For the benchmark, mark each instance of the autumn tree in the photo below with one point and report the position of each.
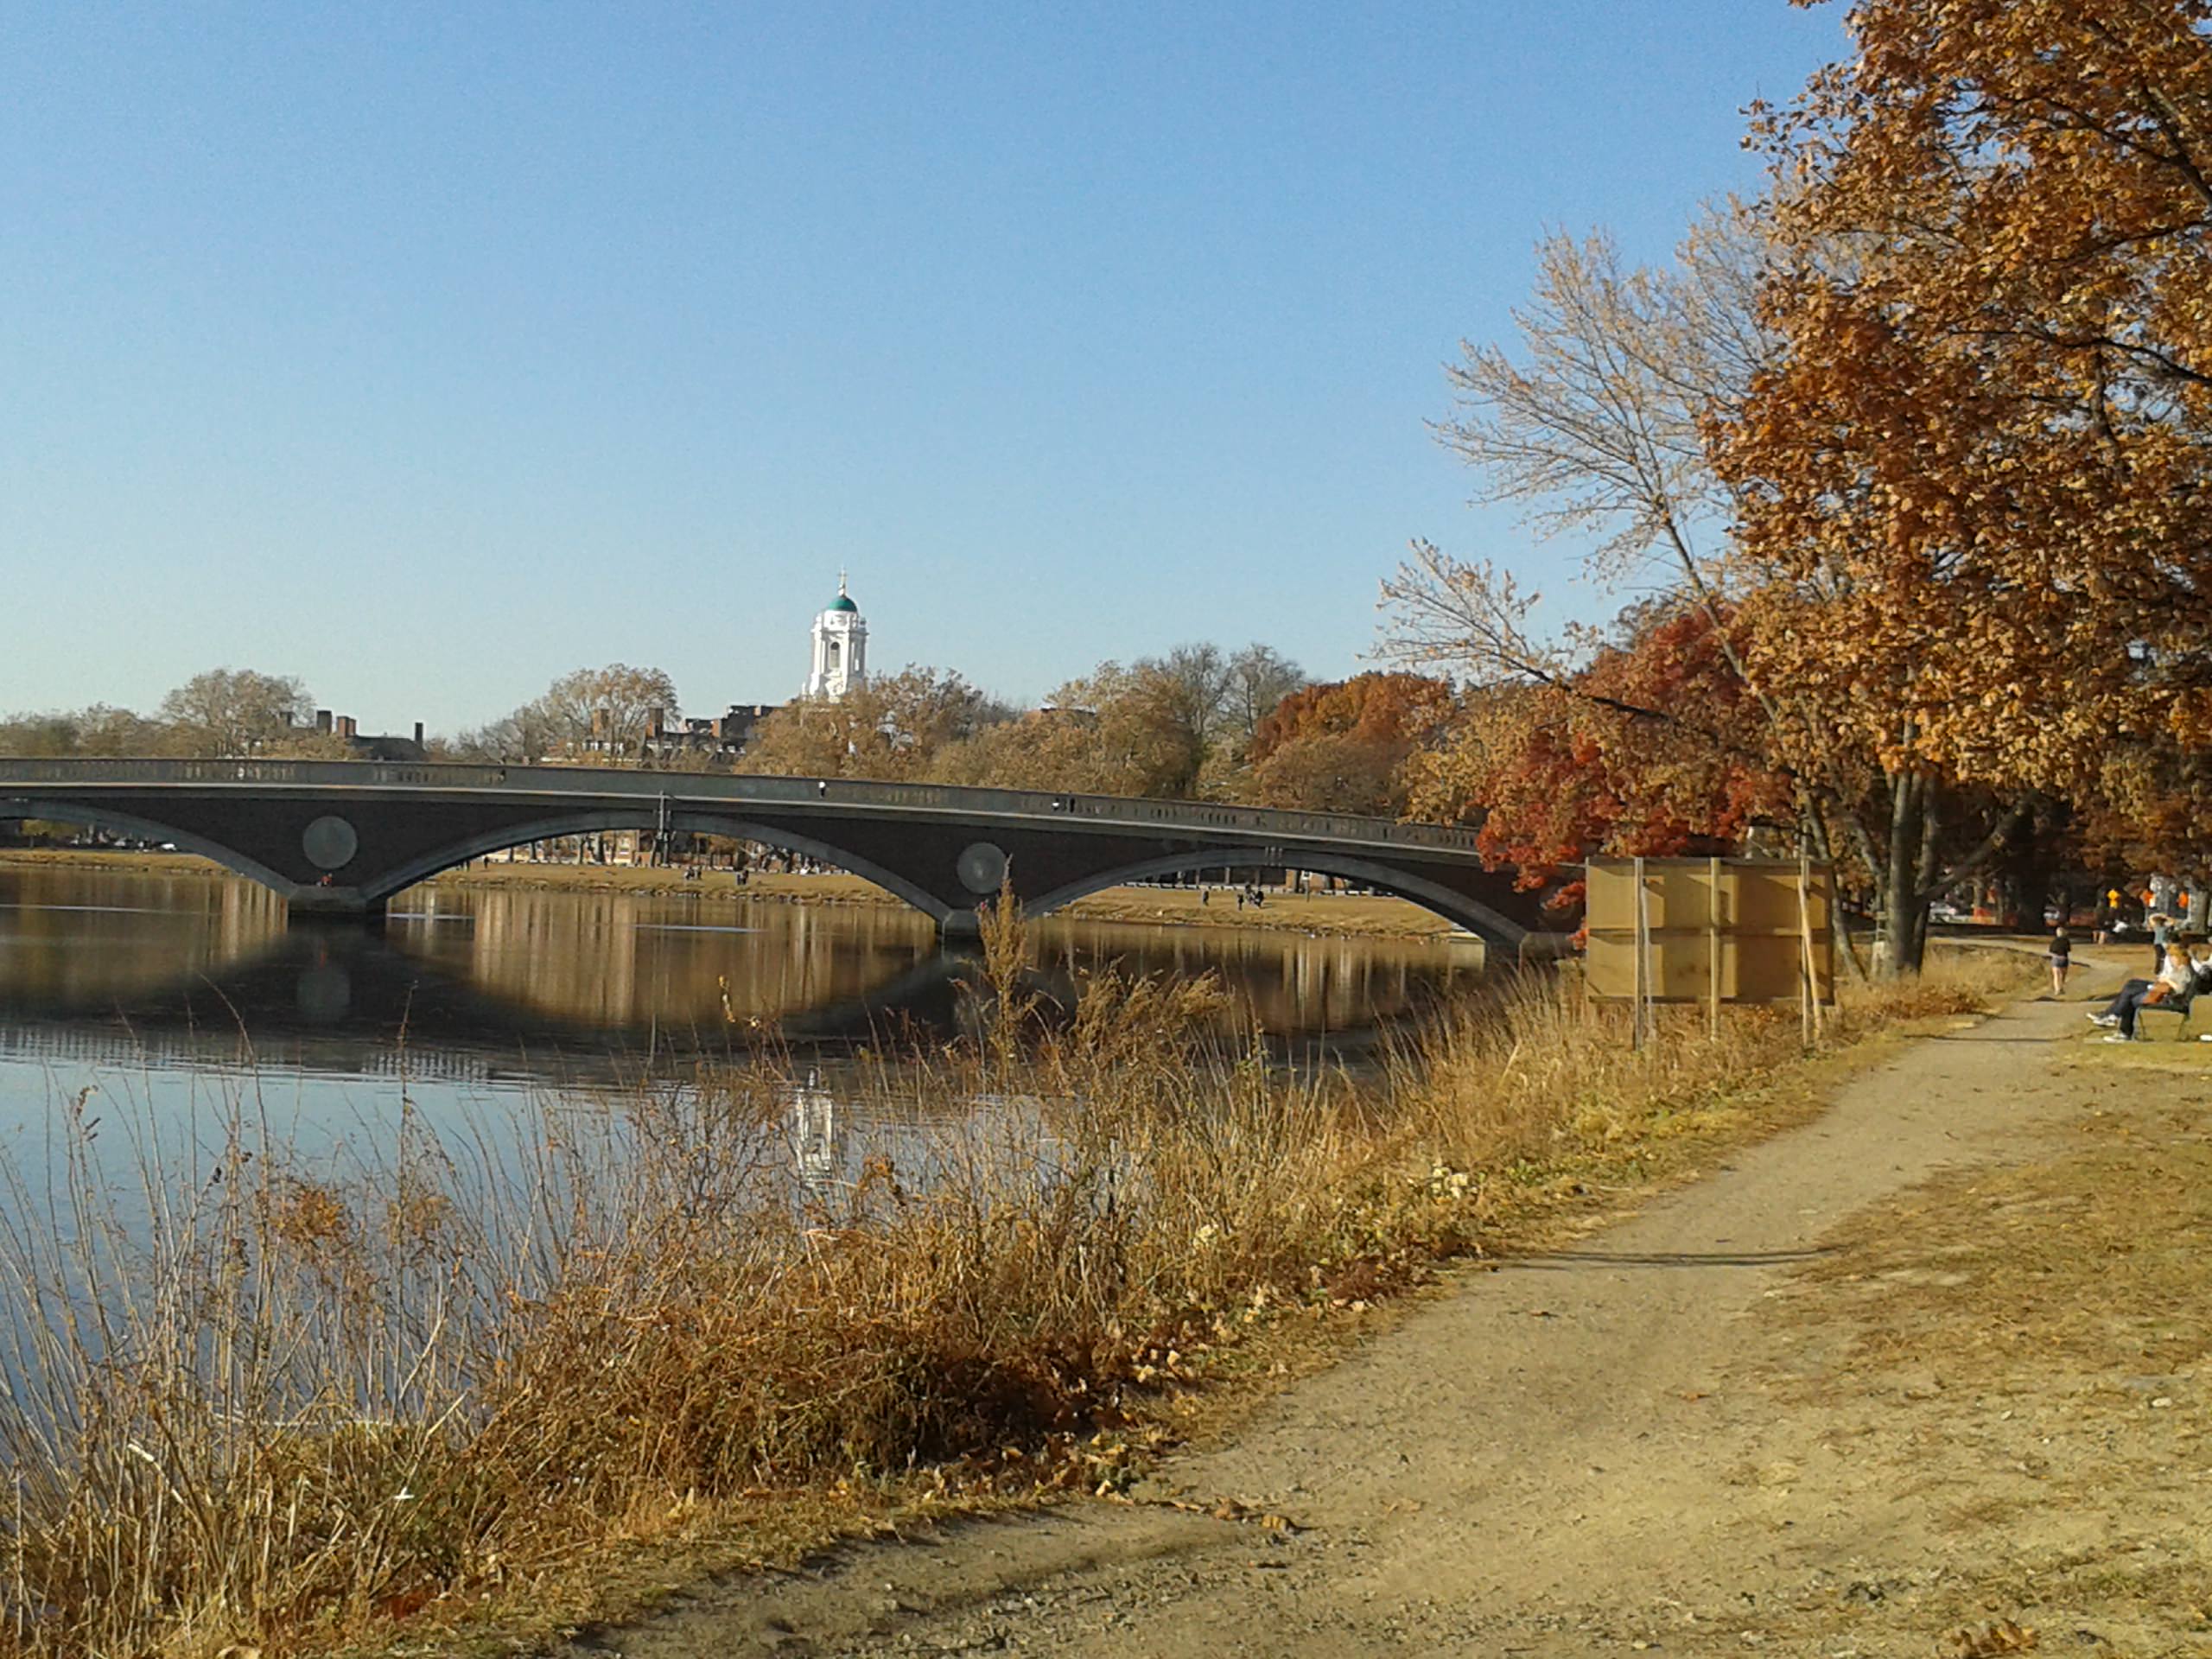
(100, 730)
(1150, 729)
(1058, 746)
(1595, 422)
(523, 737)
(1613, 418)
(107, 731)
(608, 710)
(227, 711)
(213, 724)
(1343, 747)
(1651, 747)
(1139, 730)
(1972, 479)
(1949, 461)
(893, 727)
(1259, 679)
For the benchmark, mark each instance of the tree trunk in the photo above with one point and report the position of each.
(1903, 905)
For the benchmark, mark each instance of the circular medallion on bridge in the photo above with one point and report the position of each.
(982, 868)
(329, 842)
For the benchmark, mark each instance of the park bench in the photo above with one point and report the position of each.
(2178, 1003)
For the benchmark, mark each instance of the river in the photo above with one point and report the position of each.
(167, 994)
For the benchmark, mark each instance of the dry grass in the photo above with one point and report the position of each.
(298, 1407)
(110, 860)
(2033, 1340)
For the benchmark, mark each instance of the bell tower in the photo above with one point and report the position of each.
(840, 648)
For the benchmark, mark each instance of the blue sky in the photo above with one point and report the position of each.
(429, 352)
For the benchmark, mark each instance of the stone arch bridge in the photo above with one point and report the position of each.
(339, 838)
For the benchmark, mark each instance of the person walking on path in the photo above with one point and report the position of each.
(2061, 955)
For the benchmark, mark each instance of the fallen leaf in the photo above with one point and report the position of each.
(2001, 1637)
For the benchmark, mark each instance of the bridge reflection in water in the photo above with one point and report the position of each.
(169, 994)
(541, 982)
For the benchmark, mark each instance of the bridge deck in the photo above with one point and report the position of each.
(569, 785)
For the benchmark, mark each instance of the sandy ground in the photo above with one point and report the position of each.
(1834, 1399)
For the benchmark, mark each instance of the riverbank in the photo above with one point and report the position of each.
(1333, 915)
(688, 1364)
(1927, 1375)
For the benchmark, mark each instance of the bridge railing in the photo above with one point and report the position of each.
(322, 774)
(1266, 825)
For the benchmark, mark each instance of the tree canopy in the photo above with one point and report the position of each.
(1908, 457)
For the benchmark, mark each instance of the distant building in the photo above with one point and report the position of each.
(727, 733)
(369, 746)
(840, 648)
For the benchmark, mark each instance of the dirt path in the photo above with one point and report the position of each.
(1613, 1446)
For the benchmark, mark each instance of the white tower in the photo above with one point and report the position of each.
(840, 648)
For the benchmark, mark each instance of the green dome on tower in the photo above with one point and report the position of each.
(843, 602)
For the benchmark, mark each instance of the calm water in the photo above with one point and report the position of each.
(169, 996)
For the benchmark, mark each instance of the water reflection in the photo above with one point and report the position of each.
(610, 963)
(502, 1022)
(79, 938)
(178, 970)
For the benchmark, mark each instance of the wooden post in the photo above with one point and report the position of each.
(1811, 1001)
(1712, 950)
(1643, 959)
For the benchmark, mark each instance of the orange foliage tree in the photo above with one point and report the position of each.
(1972, 480)
(1651, 747)
(1342, 747)
(1927, 429)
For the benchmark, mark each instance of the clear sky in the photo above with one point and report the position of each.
(428, 352)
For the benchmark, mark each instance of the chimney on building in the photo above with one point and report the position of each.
(418, 734)
(322, 722)
(345, 727)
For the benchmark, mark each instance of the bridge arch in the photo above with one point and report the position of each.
(460, 852)
(1496, 931)
(695, 823)
(101, 817)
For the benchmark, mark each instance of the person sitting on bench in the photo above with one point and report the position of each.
(2176, 979)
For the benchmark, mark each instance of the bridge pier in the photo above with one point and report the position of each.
(334, 905)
